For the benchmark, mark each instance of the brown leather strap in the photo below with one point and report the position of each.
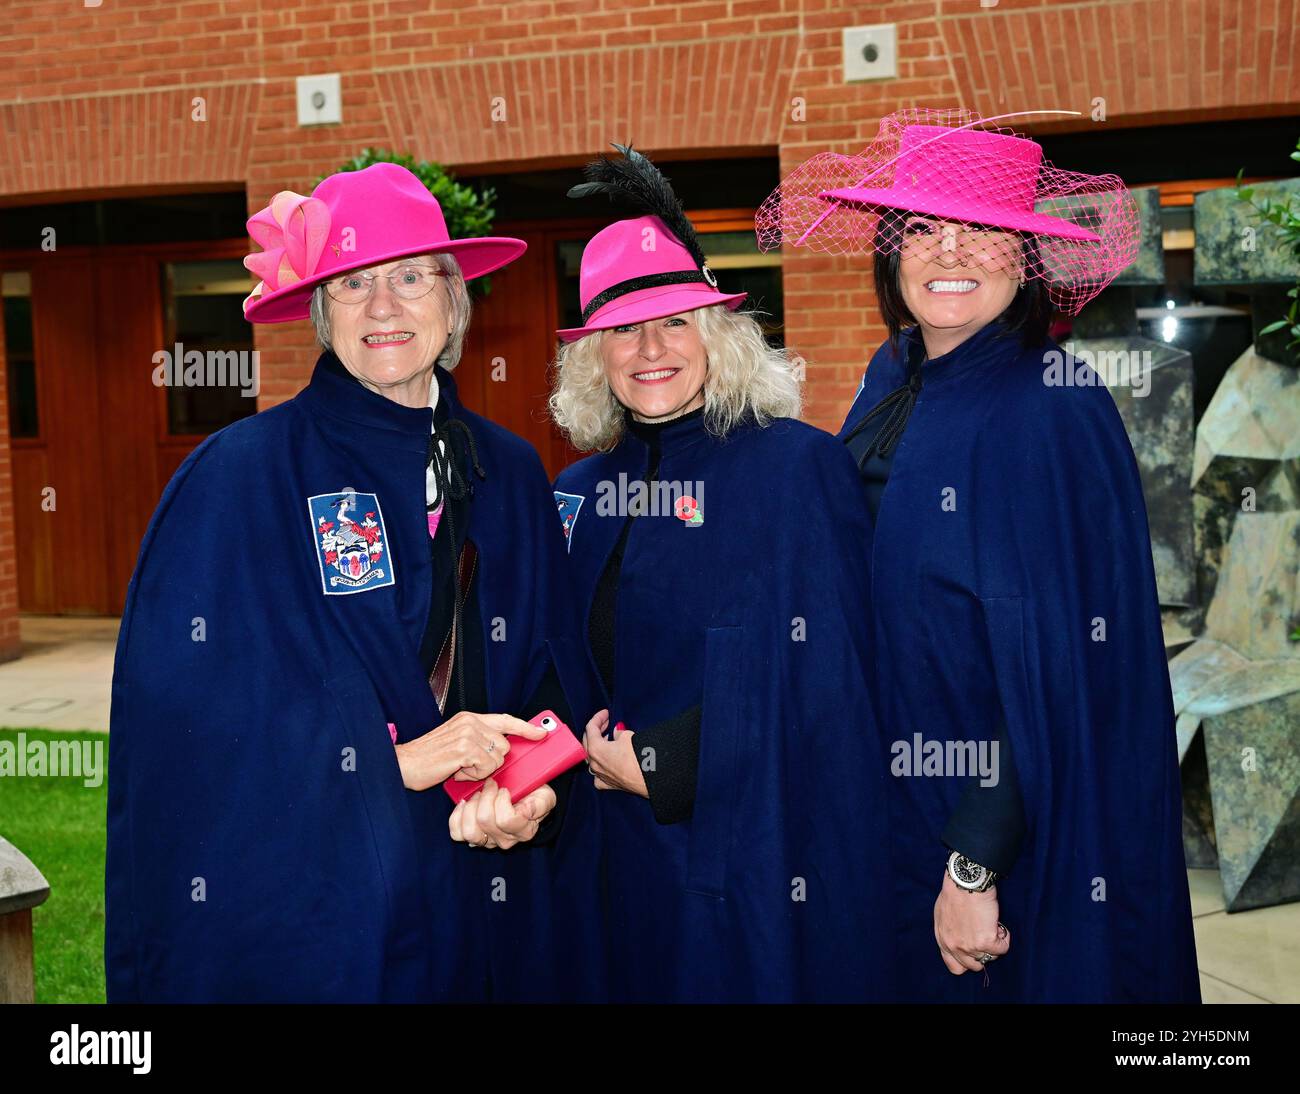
(440, 677)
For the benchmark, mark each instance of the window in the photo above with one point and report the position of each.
(202, 307)
(20, 357)
(1211, 322)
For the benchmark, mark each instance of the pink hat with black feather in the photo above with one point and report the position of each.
(647, 267)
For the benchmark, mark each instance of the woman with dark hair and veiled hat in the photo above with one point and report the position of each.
(720, 552)
(1036, 830)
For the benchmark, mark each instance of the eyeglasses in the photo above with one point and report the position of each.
(408, 282)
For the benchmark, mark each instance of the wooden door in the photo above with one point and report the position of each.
(84, 486)
(96, 452)
(505, 368)
(60, 504)
(129, 331)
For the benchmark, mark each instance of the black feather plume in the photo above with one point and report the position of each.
(635, 184)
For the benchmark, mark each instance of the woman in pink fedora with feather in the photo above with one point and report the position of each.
(720, 552)
(1014, 598)
(304, 659)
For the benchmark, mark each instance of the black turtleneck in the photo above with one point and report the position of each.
(874, 440)
(676, 741)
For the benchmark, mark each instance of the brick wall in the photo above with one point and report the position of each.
(102, 98)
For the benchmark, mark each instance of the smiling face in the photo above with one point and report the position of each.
(389, 342)
(954, 279)
(657, 368)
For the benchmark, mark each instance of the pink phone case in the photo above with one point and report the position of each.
(529, 764)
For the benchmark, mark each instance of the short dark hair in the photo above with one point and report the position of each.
(1030, 310)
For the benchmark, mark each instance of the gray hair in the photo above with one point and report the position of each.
(745, 376)
(459, 307)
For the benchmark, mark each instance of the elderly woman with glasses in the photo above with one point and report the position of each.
(342, 603)
(721, 550)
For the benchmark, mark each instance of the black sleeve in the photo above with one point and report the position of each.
(988, 825)
(550, 696)
(671, 776)
(550, 827)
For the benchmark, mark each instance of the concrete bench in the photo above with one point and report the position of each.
(22, 888)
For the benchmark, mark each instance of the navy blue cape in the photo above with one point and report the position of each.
(1012, 577)
(261, 845)
(770, 891)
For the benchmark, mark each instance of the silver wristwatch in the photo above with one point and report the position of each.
(969, 875)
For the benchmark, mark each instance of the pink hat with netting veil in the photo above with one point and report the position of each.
(1079, 230)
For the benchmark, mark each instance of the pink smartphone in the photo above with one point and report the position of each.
(529, 764)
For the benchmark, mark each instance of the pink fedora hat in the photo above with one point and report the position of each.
(351, 220)
(637, 270)
(648, 267)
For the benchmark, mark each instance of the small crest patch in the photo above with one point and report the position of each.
(568, 504)
(351, 544)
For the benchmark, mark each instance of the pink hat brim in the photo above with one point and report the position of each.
(658, 302)
(477, 257)
(955, 209)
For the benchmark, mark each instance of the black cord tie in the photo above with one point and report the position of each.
(446, 468)
(897, 405)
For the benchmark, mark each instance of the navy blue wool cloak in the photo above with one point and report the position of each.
(261, 845)
(757, 613)
(1012, 579)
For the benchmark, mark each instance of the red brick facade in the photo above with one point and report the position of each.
(100, 99)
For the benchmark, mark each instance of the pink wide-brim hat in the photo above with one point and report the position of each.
(352, 220)
(636, 270)
(1078, 231)
(999, 181)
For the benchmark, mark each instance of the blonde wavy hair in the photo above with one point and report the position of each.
(746, 378)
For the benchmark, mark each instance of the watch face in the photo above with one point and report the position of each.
(968, 874)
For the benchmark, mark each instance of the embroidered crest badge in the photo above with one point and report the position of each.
(568, 504)
(351, 545)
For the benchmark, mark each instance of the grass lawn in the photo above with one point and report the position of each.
(58, 823)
